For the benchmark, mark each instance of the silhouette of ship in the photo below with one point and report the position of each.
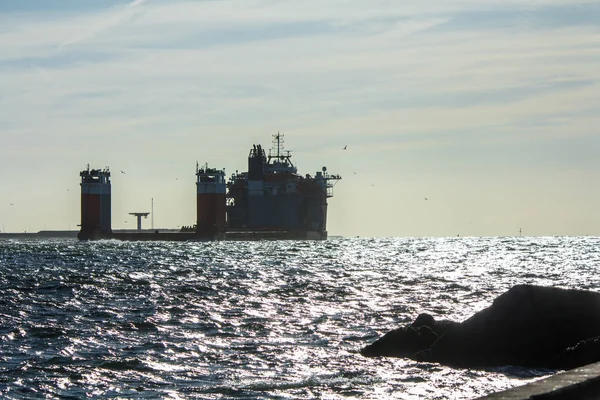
(269, 201)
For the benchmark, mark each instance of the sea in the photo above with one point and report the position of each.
(257, 320)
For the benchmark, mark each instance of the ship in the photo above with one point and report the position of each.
(270, 201)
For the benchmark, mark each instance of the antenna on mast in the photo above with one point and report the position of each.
(278, 145)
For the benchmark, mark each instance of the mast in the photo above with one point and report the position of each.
(281, 157)
(278, 146)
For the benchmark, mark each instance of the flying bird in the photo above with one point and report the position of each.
(345, 147)
(123, 172)
(425, 198)
(11, 204)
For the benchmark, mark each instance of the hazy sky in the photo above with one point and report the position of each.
(490, 109)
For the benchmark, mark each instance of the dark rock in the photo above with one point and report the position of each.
(530, 326)
(583, 353)
(440, 327)
(401, 342)
(409, 340)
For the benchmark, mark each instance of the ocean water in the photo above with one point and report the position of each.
(257, 320)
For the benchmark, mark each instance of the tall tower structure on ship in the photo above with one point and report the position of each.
(210, 201)
(95, 203)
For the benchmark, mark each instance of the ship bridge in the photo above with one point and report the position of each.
(279, 160)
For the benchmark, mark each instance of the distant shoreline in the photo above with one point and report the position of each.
(67, 234)
(40, 234)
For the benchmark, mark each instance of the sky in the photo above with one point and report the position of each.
(460, 117)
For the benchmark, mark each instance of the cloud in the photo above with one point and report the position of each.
(403, 65)
(105, 22)
(386, 78)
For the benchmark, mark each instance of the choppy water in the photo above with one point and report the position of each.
(270, 320)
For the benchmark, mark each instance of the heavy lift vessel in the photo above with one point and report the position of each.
(269, 201)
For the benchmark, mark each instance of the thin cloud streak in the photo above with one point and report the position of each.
(111, 20)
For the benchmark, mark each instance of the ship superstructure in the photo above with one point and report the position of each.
(272, 196)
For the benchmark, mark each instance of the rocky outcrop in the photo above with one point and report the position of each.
(531, 326)
(584, 352)
(409, 340)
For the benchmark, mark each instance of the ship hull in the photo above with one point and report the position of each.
(240, 235)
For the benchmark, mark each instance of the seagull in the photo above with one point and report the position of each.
(345, 147)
